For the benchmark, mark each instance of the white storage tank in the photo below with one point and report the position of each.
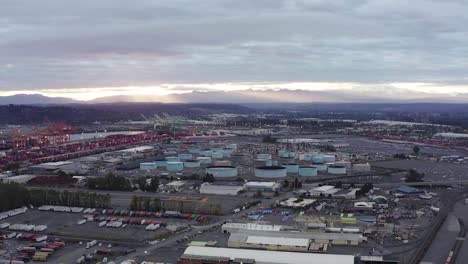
(204, 160)
(318, 159)
(227, 152)
(160, 163)
(217, 155)
(305, 156)
(206, 152)
(174, 166)
(222, 171)
(292, 167)
(172, 159)
(320, 166)
(148, 166)
(270, 172)
(337, 170)
(194, 150)
(346, 164)
(329, 158)
(308, 171)
(232, 146)
(191, 163)
(283, 153)
(185, 156)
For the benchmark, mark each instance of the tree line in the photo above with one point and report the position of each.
(110, 182)
(14, 195)
(66, 198)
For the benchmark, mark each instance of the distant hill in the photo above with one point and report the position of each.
(34, 99)
(355, 95)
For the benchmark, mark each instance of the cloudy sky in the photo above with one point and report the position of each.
(86, 49)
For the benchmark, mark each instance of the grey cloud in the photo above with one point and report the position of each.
(55, 44)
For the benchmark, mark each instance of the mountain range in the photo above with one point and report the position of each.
(359, 95)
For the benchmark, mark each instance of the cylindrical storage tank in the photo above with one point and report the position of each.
(217, 155)
(283, 153)
(305, 156)
(232, 146)
(206, 152)
(174, 165)
(320, 166)
(264, 156)
(222, 171)
(169, 152)
(204, 160)
(346, 164)
(292, 154)
(318, 159)
(292, 167)
(147, 166)
(337, 170)
(160, 163)
(329, 158)
(227, 152)
(194, 150)
(308, 171)
(172, 159)
(270, 172)
(185, 156)
(269, 162)
(191, 163)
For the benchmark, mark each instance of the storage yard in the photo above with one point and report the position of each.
(222, 196)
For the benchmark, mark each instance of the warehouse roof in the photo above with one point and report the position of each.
(242, 234)
(252, 226)
(260, 184)
(272, 257)
(278, 241)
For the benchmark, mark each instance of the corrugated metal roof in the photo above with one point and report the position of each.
(278, 241)
(271, 257)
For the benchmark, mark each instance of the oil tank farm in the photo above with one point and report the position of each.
(283, 153)
(185, 156)
(270, 172)
(174, 165)
(191, 163)
(206, 152)
(160, 163)
(172, 159)
(204, 160)
(336, 169)
(194, 150)
(217, 155)
(329, 158)
(222, 171)
(308, 171)
(232, 146)
(292, 167)
(148, 166)
(320, 166)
